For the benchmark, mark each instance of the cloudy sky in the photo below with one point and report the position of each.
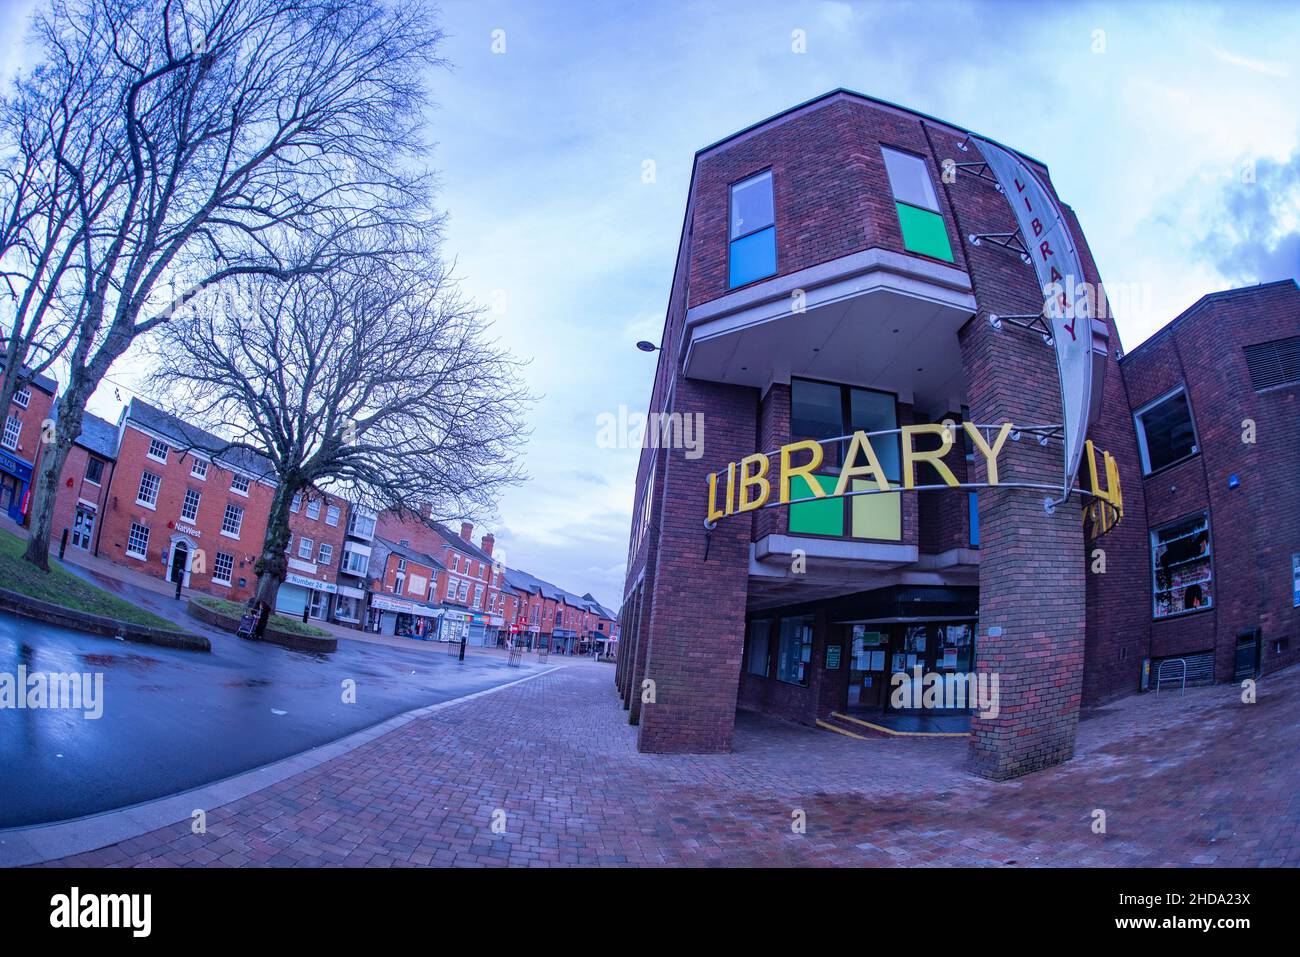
(1172, 130)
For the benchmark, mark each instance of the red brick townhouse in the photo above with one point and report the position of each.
(20, 443)
(852, 267)
(404, 589)
(318, 524)
(1216, 395)
(468, 591)
(180, 507)
(87, 478)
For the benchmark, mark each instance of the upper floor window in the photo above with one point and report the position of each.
(13, 429)
(158, 450)
(22, 397)
(1165, 432)
(824, 410)
(94, 470)
(199, 469)
(752, 252)
(239, 484)
(147, 494)
(313, 508)
(361, 525)
(296, 503)
(332, 515)
(232, 521)
(917, 205)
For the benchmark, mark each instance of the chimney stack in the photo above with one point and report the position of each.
(486, 542)
(466, 531)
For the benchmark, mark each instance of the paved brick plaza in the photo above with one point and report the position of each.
(1201, 780)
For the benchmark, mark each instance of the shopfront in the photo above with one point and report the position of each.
(299, 594)
(403, 619)
(15, 481)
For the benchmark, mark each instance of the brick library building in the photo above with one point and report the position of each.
(926, 468)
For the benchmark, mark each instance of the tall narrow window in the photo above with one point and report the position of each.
(752, 231)
(1182, 574)
(794, 655)
(917, 205)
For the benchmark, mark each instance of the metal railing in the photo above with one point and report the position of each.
(1160, 673)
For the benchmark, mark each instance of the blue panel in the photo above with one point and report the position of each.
(753, 257)
(974, 520)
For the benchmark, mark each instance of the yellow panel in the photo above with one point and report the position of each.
(877, 516)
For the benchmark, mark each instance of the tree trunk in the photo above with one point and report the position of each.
(56, 443)
(273, 564)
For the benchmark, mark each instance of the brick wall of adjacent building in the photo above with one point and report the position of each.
(76, 488)
(1254, 528)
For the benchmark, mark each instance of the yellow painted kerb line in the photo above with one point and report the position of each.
(899, 734)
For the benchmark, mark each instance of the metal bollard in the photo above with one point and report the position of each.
(179, 578)
(463, 640)
(63, 544)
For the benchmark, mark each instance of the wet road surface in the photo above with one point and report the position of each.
(173, 720)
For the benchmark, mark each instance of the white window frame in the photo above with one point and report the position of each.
(362, 552)
(225, 520)
(305, 548)
(313, 509)
(1144, 457)
(296, 504)
(141, 555)
(86, 474)
(198, 500)
(325, 554)
(15, 425)
(332, 515)
(149, 503)
(165, 449)
(199, 469)
(216, 566)
(23, 397)
(236, 477)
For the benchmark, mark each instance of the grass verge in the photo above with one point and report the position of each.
(60, 587)
(231, 609)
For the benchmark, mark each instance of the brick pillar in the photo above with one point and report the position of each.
(696, 629)
(1032, 610)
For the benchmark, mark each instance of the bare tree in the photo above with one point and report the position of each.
(246, 127)
(376, 383)
(59, 173)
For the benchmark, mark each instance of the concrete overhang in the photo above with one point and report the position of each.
(875, 317)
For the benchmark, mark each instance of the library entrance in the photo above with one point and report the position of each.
(879, 651)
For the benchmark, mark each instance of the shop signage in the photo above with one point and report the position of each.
(299, 580)
(186, 529)
(832, 657)
(753, 483)
(384, 603)
(1047, 237)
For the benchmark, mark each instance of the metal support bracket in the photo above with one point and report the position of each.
(1013, 241)
(1035, 323)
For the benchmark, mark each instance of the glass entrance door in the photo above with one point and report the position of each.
(919, 651)
(867, 675)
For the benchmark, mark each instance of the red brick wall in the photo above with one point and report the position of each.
(1255, 528)
(318, 529)
(73, 487)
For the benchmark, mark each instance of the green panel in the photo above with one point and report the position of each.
(825, 517)
(924, 232)
(876, 516)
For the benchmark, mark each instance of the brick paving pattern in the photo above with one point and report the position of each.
(1201, 780)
